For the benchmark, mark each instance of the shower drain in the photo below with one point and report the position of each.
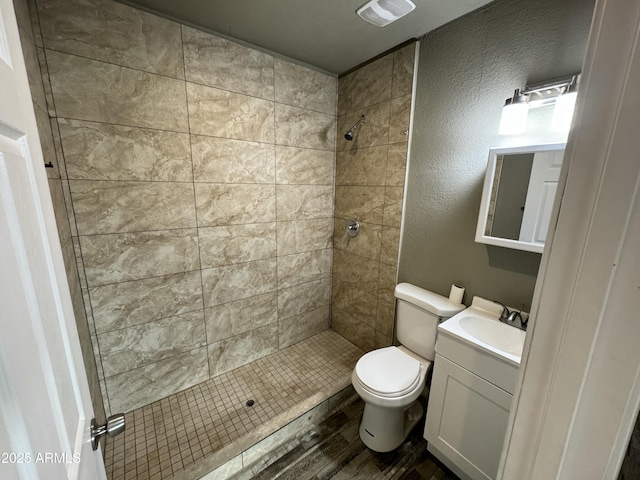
(250, 403)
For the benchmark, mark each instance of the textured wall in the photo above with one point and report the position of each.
(201, 178)
(370, 175)
(466, 70)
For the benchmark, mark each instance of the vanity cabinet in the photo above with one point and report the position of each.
(466, 420)
(469, 403)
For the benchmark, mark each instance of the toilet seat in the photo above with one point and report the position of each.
(388, 372)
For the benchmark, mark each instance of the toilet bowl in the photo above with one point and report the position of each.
(391, 379)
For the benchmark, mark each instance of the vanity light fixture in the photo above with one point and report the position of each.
(561, 92)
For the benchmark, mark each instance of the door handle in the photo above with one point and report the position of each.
(114, 426)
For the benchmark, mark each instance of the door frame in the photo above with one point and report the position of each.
(579, 388)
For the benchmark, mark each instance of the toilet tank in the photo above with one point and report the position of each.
(417, 316)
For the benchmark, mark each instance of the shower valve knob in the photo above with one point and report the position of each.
(353, 228)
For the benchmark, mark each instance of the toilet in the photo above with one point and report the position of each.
(391, 379)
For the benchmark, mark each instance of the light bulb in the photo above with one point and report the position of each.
(514, 119)
(563, 112)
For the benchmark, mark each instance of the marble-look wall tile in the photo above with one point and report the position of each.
(366, 86)
(304, 166)
(300, 236)
(363, 166)
(396, 165)
(359, 304)
(370, 178)
(393, 198)
(387, 283)
(374, 132)
(90, 90)
(32, 64)
(297, 127)
(231, 244)
(135, 388)
(98, 151)
(366, 244)
(35, 23)
(381, 340)
(294, 329)
(218, 204)
(221, 63)
(220, 160)
(118, 207)
(356, 332)
(303, 267)
(305, 88)
(390, 245)
(356, 271)
(385, 318)
(133, 347)
(365, 204)
(46, 143)
(241, 349)
(304, 298)
(88, 311)
(403, 66)
(46, 82)
(98, 360)
(126, 304)
(69, 204)
(79, 264)
(234, 282)
(220, 113)
(114, 33)
(132, 256)
(233, 318)
(59, 209)
(399, 118)
(103, 389)
(296, 202)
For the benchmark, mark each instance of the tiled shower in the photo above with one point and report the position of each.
(202, 188)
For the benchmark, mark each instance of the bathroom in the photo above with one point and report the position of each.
(293, 234)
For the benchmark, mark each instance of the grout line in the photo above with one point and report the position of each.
(195, 203)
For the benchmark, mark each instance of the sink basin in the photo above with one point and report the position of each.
(491, 332)
(477, 327)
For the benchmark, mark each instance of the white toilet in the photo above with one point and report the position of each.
(391, 379)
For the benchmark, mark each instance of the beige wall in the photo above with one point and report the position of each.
(201, 176)
(370, 175)
(466, 70)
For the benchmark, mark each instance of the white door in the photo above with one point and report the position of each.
(45, 408)
(543, 183)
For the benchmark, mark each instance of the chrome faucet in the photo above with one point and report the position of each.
(510, 317)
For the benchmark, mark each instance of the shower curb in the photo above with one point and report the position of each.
(266, 439)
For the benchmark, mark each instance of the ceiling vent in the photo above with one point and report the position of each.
(384, 12)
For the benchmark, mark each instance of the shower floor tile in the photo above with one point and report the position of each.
(166, 437)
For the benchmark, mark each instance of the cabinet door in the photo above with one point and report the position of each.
(466, 420)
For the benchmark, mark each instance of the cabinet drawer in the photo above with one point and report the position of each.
(492, 369)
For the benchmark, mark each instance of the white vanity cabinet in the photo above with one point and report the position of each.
(469, 402)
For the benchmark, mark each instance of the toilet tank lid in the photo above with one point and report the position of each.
(429, 301)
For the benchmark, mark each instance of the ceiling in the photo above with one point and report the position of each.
(326, 34)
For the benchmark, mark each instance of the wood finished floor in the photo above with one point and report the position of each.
(333, 450)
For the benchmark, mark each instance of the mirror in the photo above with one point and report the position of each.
(517, 198)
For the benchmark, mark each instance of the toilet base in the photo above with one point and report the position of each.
(383, 429)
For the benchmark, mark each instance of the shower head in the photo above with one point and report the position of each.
(349, 134)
